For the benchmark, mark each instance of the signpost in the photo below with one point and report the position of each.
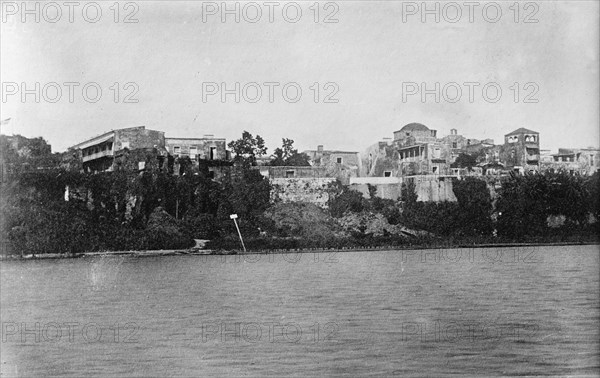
(234, 217)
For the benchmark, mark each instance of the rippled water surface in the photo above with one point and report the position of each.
(480, 312)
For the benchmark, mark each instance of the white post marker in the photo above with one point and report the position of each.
(234, 217)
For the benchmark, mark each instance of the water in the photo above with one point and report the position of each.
(480, 312)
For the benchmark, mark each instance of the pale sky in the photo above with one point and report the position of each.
(369, 53)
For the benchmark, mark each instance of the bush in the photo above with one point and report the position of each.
(164, 232)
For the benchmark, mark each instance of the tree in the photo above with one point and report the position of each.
(288, 155)
(248, 148)
(464, 161)
(342, 200)
(247, 194)
(474, 207)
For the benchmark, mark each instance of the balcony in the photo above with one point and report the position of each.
(98, 155)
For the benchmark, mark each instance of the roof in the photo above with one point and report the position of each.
(203, 138)
(522, 130)
(95, 140)
(414, 127)
(103, 137)
(329, 152)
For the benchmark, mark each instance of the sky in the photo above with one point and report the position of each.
(371, 65)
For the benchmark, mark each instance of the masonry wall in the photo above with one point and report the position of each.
(428, 188)
(386, 191)
(138, 137)
(313, 190)
(378, 159)
(432, 188)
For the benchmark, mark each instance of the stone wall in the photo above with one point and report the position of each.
(313, 190)
(378, 159)
(433, 188)
(138, 137)
(428, 188)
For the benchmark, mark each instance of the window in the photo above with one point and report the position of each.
(176, 150)
(454, 145)
(289, 174)
(592, 160)
(339, 160)
(141, 165)
(193, 152)
(387, 174)
(213, 153)
(435, 169)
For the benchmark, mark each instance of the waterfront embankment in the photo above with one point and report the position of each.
(204, 252)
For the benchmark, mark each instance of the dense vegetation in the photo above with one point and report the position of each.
(154, 209)
(117, 211)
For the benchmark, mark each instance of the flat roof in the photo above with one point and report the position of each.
(203, 138)
(96, 139)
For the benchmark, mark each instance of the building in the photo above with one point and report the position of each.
(142, 146)
(521, 150)
(582, 161)
(99, 153)
(339, 164)
(292, 172)
(380, 160)
(205, 148)
(420, 152)
(456, 143)
(207, 154)
(18, 153)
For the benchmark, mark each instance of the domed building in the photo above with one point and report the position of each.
(420, 152)
(414, 133)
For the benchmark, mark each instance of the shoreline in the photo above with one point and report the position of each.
(208, 252)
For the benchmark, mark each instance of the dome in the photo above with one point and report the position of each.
(414, 127)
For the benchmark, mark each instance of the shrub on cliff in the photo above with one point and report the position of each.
(474, 212)
(342, 200)
(164, 232)
(301, 219)
(368, 223)
(526, 202)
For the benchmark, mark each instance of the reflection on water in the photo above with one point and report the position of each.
(483, 312)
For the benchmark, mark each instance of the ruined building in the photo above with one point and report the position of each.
(118, 148)
(339, 164)
(420, 152)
